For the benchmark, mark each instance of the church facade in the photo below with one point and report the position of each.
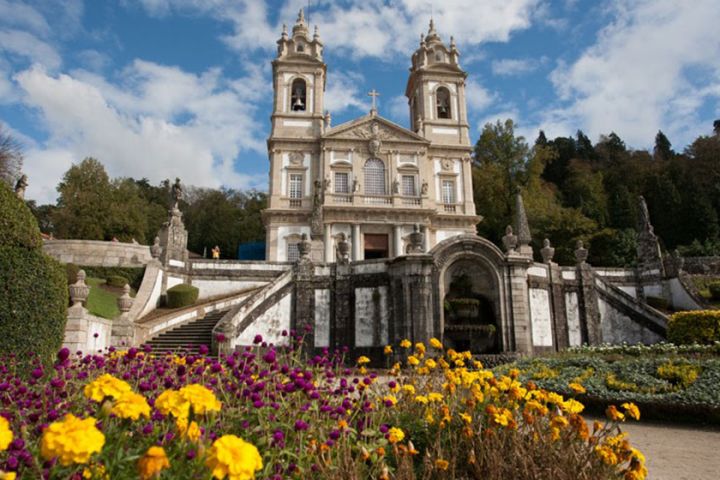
(369, 181)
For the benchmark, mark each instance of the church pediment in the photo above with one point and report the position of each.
(373, 128)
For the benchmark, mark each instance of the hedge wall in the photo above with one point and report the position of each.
(182, 295)
(714, 289)
(134, 275)
(696, 326)
(18, 227)
(33, 304)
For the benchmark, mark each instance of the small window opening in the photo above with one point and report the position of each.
(442, 98)
(298, 95)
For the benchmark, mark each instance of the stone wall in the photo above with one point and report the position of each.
(93, 253)
(701, 265)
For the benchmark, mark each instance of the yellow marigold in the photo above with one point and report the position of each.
(363, 360)
(572, 406)
(413, 360)
(607, 455)
(201, 399)
(420, 348)
(191, 432)
(430, 363)
(409, 389)
(405, 343)
(233, 457)
(7, 475)
(577, 388)
(95, 471)
(71, 440)
(105, 386)
(152, 463)
(441, 464)
(390, 399)
(6, 434)
(131, 405)
(170, 402)
(614, 414)
(388, 350)
(435, 343)
(421, 399)
(435, 397)
(559, 421)
(395, 435)
(466, 418)
(631, 410)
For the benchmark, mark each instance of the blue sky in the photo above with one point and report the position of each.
(165, 88)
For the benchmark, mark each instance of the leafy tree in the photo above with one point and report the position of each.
(663, 147)
(584, 147)
(44, 215)
(541, 140)
(11, 158)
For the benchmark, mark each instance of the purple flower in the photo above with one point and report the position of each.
(37, 373)
(257, 339)
(270, 356)
(204, 350)
(220, 338)
(301, 425)
(63, 354)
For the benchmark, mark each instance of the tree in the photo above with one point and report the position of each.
(584, 147)
(541, 140)
(11, 158)
(663, 147)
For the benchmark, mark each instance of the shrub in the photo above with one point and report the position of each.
(697, 326)
(33, 303)
(658, 302)
(18, 227)
(134, 275)
(714, 289)
(71, 272)
(117, 281)
(181, 295)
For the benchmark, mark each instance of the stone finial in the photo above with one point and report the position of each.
(284, 31)
(156, 249)
(522, 228)
(316, 34)
(301, 16)
(581, 253)
(547, 251)
(328, 119)
(416, 240)
(20, 187)
(79, 291)
(125, 301)
(342, 249)
(304, 246)
(510, 240)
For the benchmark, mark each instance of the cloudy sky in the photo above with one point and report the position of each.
(165, 88)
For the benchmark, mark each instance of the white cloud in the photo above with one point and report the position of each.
(343, 93)
(650, 69)
(26, 45)
(398, 110)
(478, 98)
(514, 66)
(24, 16)
(163, 123)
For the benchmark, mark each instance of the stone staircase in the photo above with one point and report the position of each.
(187, 338)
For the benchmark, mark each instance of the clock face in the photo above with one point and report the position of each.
(447, 164)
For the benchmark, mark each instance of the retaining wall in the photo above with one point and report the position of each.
(95, 253)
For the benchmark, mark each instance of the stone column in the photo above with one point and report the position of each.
(520, 339)
(468, 199)
(411, 292)
(356, 243)
(587, 298)
(303, 313)
(329, 244)
(397, 240)
(77, 326)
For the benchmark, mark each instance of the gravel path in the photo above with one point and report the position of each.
(677, 452)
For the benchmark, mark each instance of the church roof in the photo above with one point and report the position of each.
(359, 128)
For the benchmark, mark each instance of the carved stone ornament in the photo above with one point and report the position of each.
(125, 301)
(177, 193)
(79, 291)
(156, 249)
(509, 240)
(296, 158)
(547, 251)
(446, 164)
(581, 253)
(342, 250)
(304, 246)
(20, 187)
(375, 143)
(416, 240)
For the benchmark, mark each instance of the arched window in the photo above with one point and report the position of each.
(374, 171)
(298, 98)
(442, 101)
(300, 48)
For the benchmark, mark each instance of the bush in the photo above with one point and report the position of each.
(71, 272)
(658, 303)
(134, 275)
(117, 281)
(697, 326)
(33, 303)
(714, 289)
(182, 295)
(18, 227)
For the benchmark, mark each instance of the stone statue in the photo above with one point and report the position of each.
(20, 187)
(424, 187)
(326, 184)
(356, 186)
(156, 249)
(177, 192)
(318, 194)
(396, 187)
(509, 240)
(342, 249)
(328, 119)
(304, 246)
(581, 253)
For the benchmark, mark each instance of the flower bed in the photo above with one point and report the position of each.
(269, 412)
(666, 381)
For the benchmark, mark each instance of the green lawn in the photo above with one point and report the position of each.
(101, 302)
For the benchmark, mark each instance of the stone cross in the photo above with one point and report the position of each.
(374, 94)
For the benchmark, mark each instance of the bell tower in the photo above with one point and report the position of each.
(436, 92)
(299, 75)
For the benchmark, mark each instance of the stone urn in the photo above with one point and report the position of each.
(465, 308)
(125, 301)
(416, 240)
(79, 291)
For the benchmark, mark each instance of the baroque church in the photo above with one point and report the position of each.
(369, 180)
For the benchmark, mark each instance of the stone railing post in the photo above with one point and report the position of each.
(77, 326)
(122, 328)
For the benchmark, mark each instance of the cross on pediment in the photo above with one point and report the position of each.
(374, 94)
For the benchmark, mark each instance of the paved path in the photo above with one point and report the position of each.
(677, 452)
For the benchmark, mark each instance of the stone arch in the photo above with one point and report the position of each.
(486, 265)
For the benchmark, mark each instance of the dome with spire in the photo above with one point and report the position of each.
(432, 50)
(300, 42)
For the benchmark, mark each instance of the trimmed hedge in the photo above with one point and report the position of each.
(71, 272)
(116, 281)
(182, 295)
(18, 227)
(33, 303)
(696, 326)
(714, 289)
(134, 275)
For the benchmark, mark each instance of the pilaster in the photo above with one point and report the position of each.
(519, 302)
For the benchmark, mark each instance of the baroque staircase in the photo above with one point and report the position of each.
(189, 337)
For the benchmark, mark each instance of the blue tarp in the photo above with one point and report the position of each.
(251, 251)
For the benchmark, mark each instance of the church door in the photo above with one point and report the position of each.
(376, 246)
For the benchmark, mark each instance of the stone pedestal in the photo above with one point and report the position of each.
(518, 265)
(412, 299)
(173, 240)
(76, 328)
